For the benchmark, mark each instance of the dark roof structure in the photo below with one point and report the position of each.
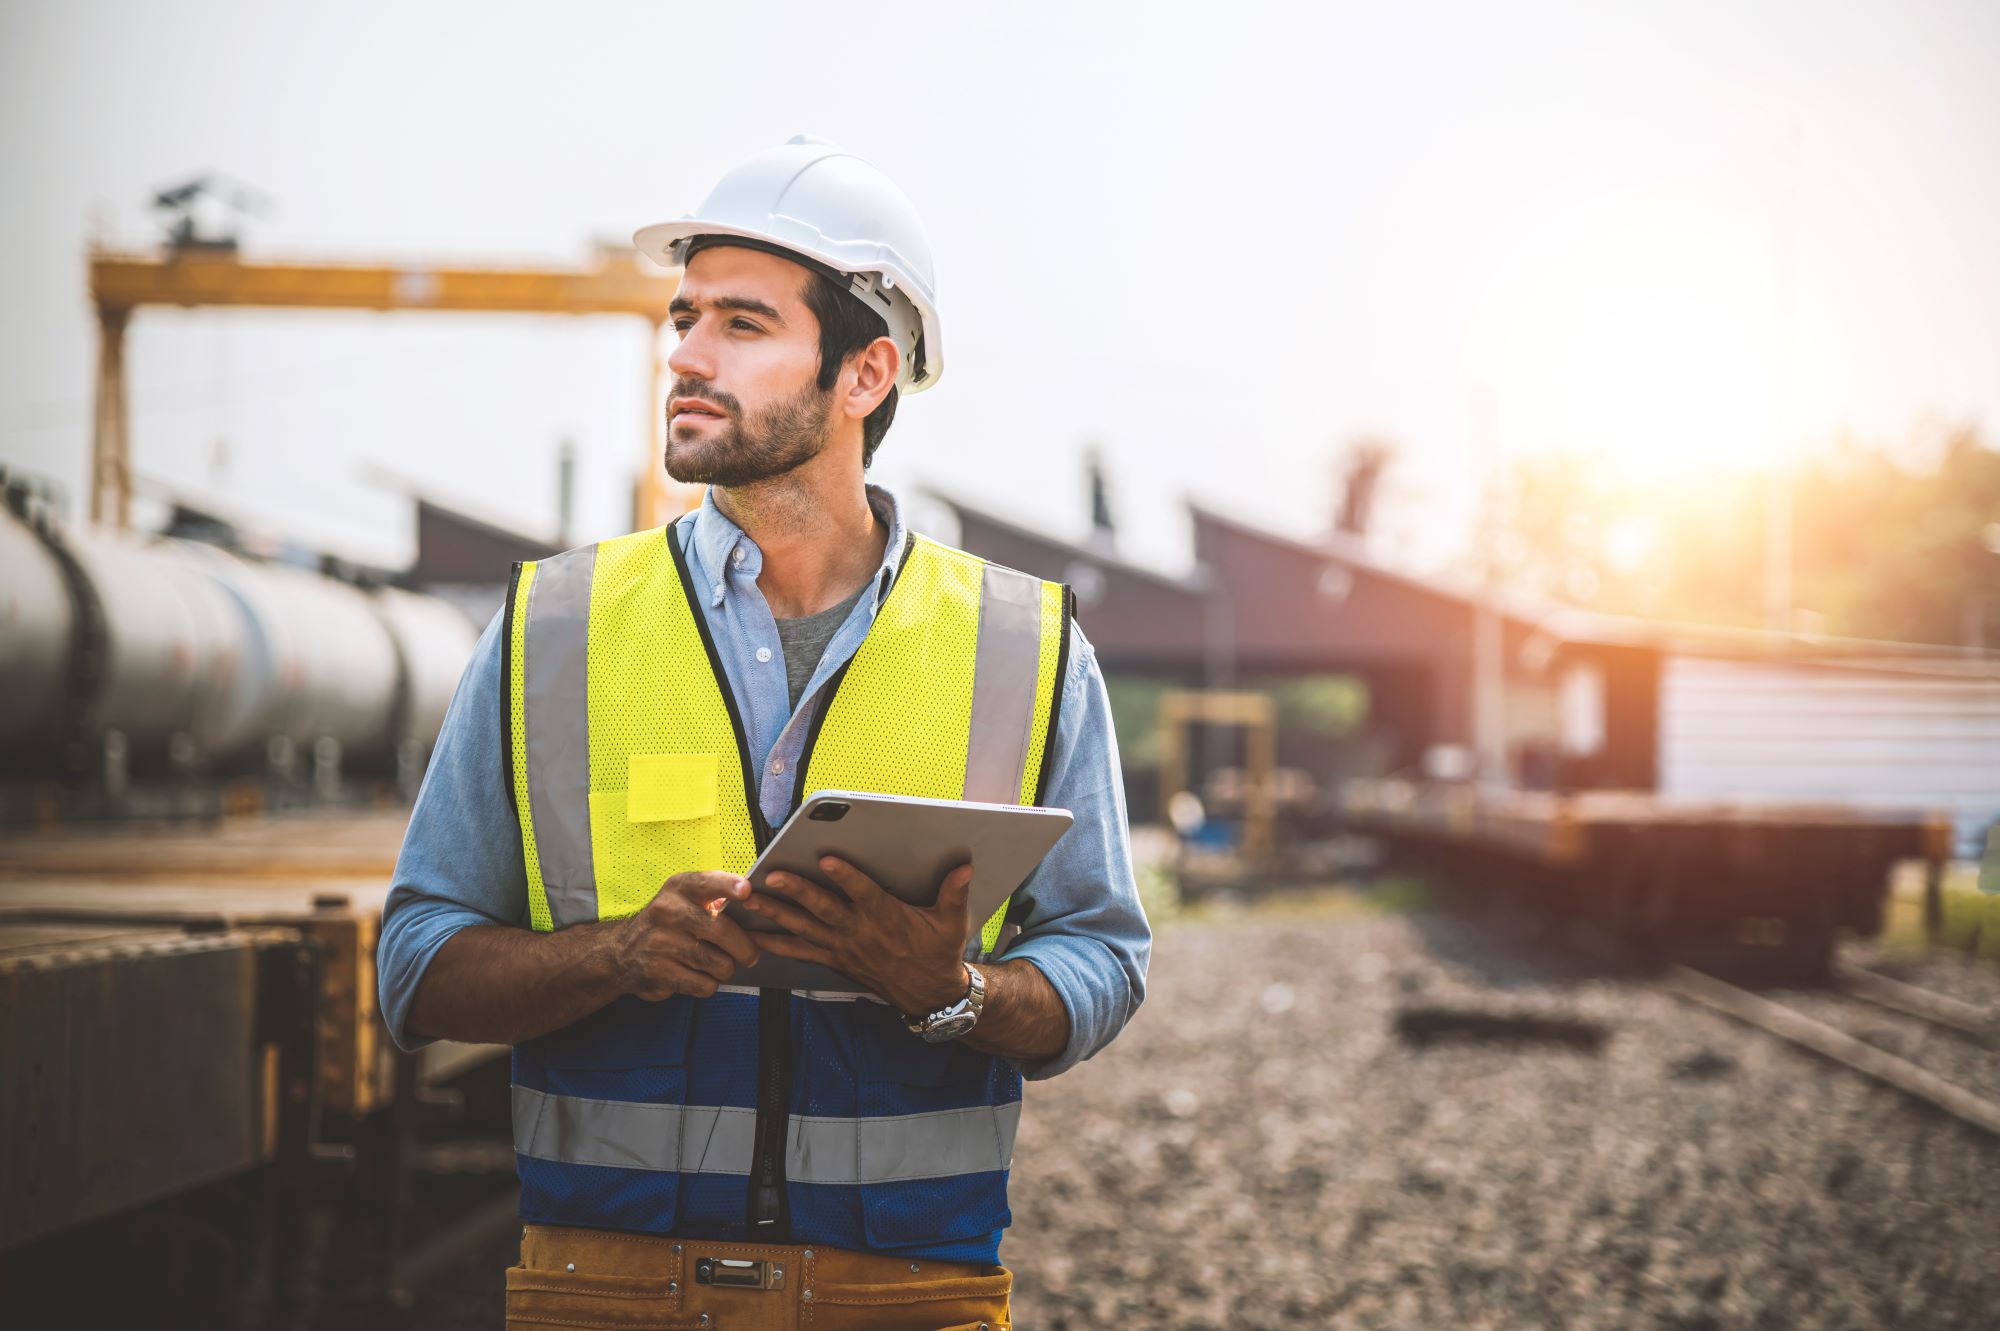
(455, 547)
(1138, 620)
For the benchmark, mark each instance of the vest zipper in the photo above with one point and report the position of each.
(770, 1213)
(770, 1220)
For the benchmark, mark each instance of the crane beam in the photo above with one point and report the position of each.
(123, 283)
(194, 279)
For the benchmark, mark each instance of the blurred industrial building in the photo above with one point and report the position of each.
(1586, 701)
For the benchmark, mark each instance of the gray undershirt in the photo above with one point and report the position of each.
(804, 641)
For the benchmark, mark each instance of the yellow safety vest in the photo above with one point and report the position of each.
(630, 761)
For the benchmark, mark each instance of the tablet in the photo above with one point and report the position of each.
(907, 845)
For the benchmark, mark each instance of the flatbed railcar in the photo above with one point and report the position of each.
(188, 1027)
(1661, 873)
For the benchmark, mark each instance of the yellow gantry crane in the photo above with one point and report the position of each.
(1257, 715)
(197, 272)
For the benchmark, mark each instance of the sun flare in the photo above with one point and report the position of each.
(1667, 384)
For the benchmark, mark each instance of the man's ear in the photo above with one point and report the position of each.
(874, 369)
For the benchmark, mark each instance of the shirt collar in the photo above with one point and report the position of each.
(714, 540)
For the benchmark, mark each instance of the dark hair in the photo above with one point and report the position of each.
(845, 327)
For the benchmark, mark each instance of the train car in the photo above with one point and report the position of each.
(1666, 875)
(134, 665)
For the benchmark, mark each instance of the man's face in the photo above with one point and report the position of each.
(745, 404)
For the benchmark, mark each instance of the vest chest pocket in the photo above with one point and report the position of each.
(665, 821)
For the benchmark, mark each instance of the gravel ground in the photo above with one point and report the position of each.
(1352, 1137)
(1426, 1121)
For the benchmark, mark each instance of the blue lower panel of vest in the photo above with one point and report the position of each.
(649, 1053)
(848, 1058)
(635, 1085)
(959, 1219)
(599, 1196)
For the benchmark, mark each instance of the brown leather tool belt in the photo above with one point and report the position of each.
(604, 1278)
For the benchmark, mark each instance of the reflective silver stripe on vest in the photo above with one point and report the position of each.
(554, 695)
(706, 1139)
(1005, 670)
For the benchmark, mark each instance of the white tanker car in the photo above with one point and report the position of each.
(130, 663)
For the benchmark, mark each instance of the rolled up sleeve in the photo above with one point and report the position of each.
(461, 860)
(1085, 928)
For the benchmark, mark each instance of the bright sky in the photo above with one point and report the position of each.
(1218, 240)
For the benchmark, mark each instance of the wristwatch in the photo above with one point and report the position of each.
(948, 1023)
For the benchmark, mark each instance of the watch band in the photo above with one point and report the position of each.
(948, 1023)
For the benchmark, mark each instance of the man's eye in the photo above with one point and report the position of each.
(681, 326)
(744, 326)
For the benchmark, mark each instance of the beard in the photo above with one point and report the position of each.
(741, 451)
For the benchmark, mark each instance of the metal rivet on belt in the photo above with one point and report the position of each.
(673, 1287)
(702, 1320)
(677, 1250)
(809, 1254)
(570, 1267)
(805, 1293)
(913, 1266)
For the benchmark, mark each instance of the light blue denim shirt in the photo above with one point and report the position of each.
(461, 862)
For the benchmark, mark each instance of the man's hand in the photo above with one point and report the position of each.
(912, 956)
(500, 984)
(680, 942)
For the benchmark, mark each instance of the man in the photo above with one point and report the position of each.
(696, 1151)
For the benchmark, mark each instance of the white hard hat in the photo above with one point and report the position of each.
(812, 198)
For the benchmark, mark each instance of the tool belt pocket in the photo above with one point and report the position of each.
(967, 1302)
(537, 1298)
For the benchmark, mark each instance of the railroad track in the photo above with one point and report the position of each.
(1965, 1020)
(1808, 1032)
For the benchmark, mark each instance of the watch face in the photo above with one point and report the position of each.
(951, 1027)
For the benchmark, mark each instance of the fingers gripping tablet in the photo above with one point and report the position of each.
(907, 846)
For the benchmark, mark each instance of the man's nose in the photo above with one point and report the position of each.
(691, 358)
